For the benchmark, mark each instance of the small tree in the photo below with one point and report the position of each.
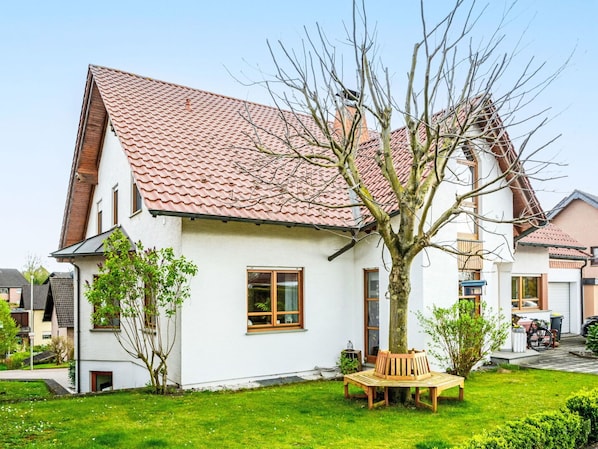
(62, 349)
(461, 337)
(140, 293)
(34, 268)
(8, 329)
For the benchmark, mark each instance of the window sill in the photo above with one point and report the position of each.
(133, 214)
(274, 331)
(105, 329)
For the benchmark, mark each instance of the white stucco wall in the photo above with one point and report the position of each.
(99, 350)
(216, 345)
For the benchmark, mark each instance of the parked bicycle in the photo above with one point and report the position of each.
(540, 336)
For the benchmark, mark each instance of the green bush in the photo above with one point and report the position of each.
(15, 361)
(592, 339)
(585, 404)
(461, 337)
(348, 365)
(551, 430)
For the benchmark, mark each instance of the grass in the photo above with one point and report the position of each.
(307, 415)
(13, 390)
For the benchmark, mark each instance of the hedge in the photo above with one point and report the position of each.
(570, 428)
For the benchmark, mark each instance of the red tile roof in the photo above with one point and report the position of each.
(191, 154)
(560, 244)
(189, 150)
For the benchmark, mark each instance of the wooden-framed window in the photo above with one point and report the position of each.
(529, 292)
(136, 201)
(149, 310)
(468, 181)
(469, 293)
(99, 216)
(274, 299)
(115, 206)
(101, 380)
(107, 322)
(594, 251)
(372, 314)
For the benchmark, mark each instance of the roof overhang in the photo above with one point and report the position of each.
(93, 246)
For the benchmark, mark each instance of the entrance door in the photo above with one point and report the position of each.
(372, 315)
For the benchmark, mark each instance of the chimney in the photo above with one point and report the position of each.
(345, 115)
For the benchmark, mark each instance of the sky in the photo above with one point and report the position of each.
(46, 47)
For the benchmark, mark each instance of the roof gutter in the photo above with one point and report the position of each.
(288, 224)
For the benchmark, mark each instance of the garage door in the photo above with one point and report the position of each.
(559, 302)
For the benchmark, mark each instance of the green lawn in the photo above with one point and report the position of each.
(13, 390)
(307, 415)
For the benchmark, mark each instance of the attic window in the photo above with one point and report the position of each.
(136, 196)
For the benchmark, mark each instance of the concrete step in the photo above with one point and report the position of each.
(515, 358)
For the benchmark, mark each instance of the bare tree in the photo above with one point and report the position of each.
(455, 109)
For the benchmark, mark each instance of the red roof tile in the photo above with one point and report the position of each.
(550, 236)
(191, 154)
(189, 151)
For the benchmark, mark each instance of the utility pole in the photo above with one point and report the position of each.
(31, 325)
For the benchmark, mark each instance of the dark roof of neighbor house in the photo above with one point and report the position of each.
(592, 200)
(61, 298)
(560, 244)
(40, 295)
(191, 154)
(11, 277)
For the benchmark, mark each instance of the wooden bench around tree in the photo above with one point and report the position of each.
(410, 370)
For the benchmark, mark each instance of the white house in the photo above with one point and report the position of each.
(167, 163)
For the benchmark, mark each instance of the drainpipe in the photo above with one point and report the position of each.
(78, 336)
(585, 263)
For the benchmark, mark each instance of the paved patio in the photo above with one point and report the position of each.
(562, 358)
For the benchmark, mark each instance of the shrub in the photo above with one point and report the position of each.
(585, 404)
(592, 339)
(62, 349)
(347, 364)
(15, 361)
(72, 371)
(551, 430)
(461, 337)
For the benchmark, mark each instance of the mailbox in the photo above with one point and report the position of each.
(472, 288)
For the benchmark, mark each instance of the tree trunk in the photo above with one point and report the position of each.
(399, 287)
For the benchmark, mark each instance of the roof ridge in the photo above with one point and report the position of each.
(194, 89)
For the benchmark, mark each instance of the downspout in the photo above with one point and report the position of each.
(78, 336)
(581, 298)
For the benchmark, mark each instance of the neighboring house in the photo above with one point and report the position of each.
(546, 277)
(11, 285)
(42, 329)
(59, 305)
(166, 163)
(577, 214)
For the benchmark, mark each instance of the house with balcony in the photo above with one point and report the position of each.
(282, 285)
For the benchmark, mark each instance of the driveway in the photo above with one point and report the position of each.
(564, 357)
(56, 378)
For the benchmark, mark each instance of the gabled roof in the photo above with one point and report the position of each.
(560, 244)
(40, 295)
(11, 277)
(190, 155)
(61, 298)
(592, 200)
